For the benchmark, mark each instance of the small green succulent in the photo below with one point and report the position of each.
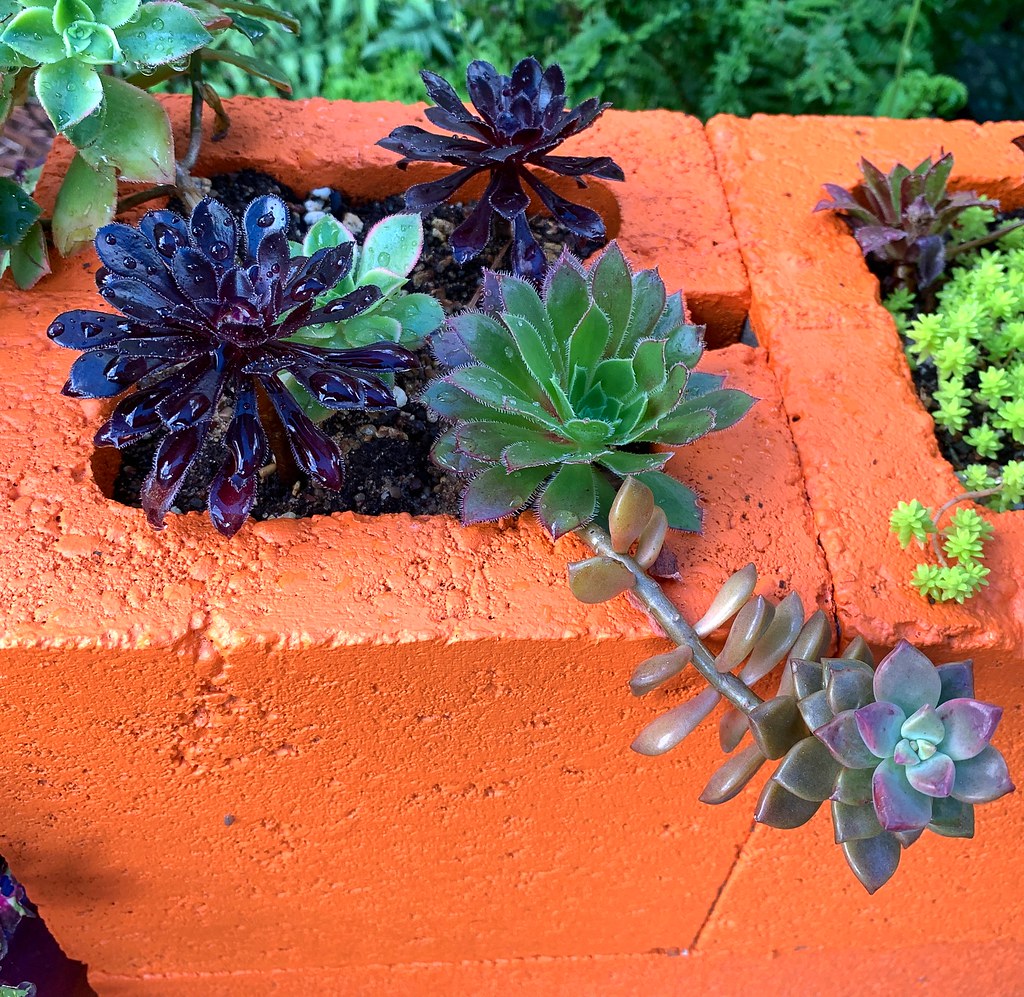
(385, 259)
(959, 546)
(558, 395)
(70, 40)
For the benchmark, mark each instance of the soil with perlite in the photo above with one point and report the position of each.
(388, 467)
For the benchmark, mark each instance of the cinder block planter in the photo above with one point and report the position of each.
(866, 442)
(352, 742)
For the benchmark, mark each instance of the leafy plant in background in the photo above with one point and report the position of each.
(556, 396)
(522, 118)
(907, 218)
(65, 53)
(208, 313)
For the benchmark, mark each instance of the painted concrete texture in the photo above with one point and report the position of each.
(355, 741)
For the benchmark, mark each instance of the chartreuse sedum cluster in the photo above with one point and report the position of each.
(973, 345)
(557, 394)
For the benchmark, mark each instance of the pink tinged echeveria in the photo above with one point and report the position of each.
(983, 778)
(968, 727)
(880, 725)
(842, 736)
(907, 678)
(900, 807)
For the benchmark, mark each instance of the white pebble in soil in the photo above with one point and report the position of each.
(353, 223)
(401, 398)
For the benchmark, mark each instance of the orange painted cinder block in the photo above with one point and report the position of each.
(864, 438)
(419, 736)
(865, 442)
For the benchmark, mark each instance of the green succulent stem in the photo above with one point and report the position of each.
(983, 240)
(981, 493)
(664, 612)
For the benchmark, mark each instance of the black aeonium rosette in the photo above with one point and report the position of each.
(522, 117)
(206, 312)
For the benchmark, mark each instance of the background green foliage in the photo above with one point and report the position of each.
(701, 56)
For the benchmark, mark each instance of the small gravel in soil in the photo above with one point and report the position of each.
(387, 452)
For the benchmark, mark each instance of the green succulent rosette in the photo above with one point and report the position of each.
(71, 40)
(558, 394)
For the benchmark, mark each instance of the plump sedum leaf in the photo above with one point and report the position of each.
(557, 395)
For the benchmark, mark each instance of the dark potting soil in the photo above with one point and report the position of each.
(925, 375)
(387, 452)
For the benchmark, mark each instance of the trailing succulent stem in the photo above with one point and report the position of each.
(895, 749)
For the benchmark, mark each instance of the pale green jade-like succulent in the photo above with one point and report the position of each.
(384, 261)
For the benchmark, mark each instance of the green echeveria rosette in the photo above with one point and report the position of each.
(556, 395)
(897, 750)
(71, 40)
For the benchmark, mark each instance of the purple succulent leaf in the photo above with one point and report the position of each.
(899, 806)
(335, 390)
(194, 274)
(125, 251)
(983, 778)
(214, 233)
(484, 86)
(340, 309)
(841, 735)
(879, 726)
(104, 374)
(134, 418)
(272, 261)
(315, 453)
(469, 239)
(180, 382)
(467, 125)
(527, 257)
(968, 725)
(526, 78)
(934, 776)
(957, 678)
(874, 238)
(233, 491)
(925, 723)
(139, 301)
(873, 860)
(264, 217)
(931, 258)
(424, 197)
(166, 231)
(552, 85)
(576, 166)
(198, 403)
(577, 218)
(174, 457)
(907, 678)
(172, 347)
(506, 195)
(82, 329)
(442, 93)
(415, 143)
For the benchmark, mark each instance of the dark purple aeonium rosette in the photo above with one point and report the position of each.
(206, 315)
(522, 117)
